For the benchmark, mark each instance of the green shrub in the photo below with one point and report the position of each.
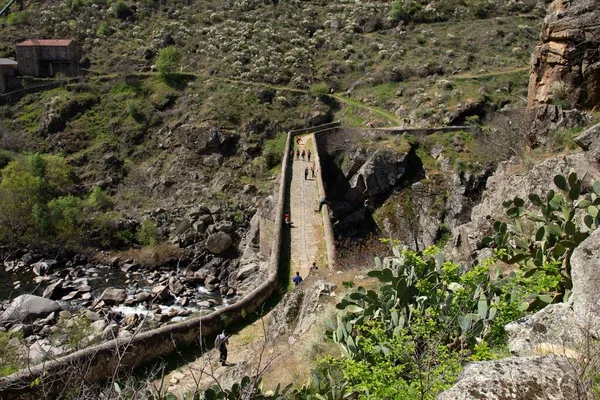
(99, 200)
(11, 359)
(135, 111)
(103, 29)
(122, 10)
(168, 63)
(19, 18)
(318, 89)
(273, 150)
(147, 234)
(66, 218)
(74, 5)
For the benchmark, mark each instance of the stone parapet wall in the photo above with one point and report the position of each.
(327, 226)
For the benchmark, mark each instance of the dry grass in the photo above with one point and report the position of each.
(152, 256)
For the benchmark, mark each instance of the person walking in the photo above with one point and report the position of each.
(312, 169)
(297, 279)
(322, 202)
(292, 155)
(313, 267)
(303, 155)
(221, 342)
(297, 154)
(306, 173)
(308, 153)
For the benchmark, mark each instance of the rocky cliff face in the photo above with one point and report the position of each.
(512, 179)
(568, 55)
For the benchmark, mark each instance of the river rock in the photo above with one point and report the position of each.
(219, 242)
(246, 271)
(41, 268)
(27, 308)
(143, 296)
(161, 292)
(175, 286)
(110, 332)
(53, 290)
(225, 226)
(515, 378)
(113, 296)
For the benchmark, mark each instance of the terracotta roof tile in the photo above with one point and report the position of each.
(46, 42)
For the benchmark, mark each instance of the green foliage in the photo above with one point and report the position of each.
(168, 63)
(541, 242)
(147, 234)
(99, 200)
(18, 18)
(442, 10)
(122, 10)
(318, 89)
(273, 150)
(74, 5)
(247, 389)
(325, 383)
(11, 359)
(135, 111)
(27, 190)
(103, 29)
(66, 218)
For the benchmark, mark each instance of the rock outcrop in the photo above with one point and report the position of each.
(513, 179)
(547, 343)
(295, 314)
(569, 54)
(515, 378)
(27, 308)
(585, 267)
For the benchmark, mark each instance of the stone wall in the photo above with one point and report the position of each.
(98, 362)
(327, 226)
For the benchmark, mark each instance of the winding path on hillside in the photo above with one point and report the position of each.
(307, 237)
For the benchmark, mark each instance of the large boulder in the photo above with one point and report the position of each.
(516, 378)
(27, 308)
(567, 54)
(219, 243)
(553, 329)
(381, 172)
(585, 273)
(200, 139)
(589, 140)
(112, 296)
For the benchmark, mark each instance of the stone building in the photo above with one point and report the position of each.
(8, 72)
(47, 57)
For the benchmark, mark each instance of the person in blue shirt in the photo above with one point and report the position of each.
(297, 279)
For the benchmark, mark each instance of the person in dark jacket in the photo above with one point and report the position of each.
(221, 342)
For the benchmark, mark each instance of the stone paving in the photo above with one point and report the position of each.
(307, 225)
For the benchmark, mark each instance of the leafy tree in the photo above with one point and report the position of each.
(167, 64)
(121, 10)
(148, 233)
